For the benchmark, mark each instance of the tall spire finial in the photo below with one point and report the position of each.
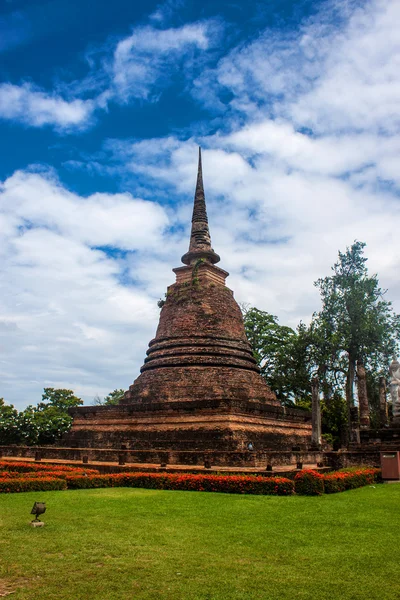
(200, 240)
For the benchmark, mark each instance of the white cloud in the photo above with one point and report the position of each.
(70, 315)
(309, 165)
(139, 67)
(32, 106)
(99, 220)
(339, 71)
(149, 55)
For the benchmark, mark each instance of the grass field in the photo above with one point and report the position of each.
(145, 544)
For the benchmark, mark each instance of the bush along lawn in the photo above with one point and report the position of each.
(26, 477)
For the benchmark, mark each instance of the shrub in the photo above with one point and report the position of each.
(40, 474)
(24, 477)
(44, 484)
(171, 481)
(349, 480)
(28, 467)
(309, 483)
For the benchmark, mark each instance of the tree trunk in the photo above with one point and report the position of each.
(362, 396)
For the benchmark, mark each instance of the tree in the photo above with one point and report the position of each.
(51, 415)
(114, 397)
(280, 353)
(357, 324)
(9, 431)
(59, 399)
(111, 399)
(41, 424)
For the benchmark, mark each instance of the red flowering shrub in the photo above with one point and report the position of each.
(349, 480)
(309, 483)
(40, 474)
(44, 484)
(24, 477)
(231, 484)
(29, 467)
(29, 477)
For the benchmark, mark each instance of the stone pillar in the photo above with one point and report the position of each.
(383, 408)
(394, 371)
(315, 414)
(354, 425)
(396, 408)
(362, 396)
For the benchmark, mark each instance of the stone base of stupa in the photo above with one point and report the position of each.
(196, 427)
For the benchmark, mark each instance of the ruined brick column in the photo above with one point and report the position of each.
(362, 396)
(383, 407)
(316, 439)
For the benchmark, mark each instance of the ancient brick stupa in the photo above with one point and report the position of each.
(200, 390)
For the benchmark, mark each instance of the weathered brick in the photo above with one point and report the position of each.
(200, 388)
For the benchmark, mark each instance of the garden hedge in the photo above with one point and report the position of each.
(309, 483)
(44, 484)
(231, 484)
(29, 467)
(24, 477)
(349, 480)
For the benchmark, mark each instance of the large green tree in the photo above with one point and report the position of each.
(356, 324)
(9, 431)
(281, 353)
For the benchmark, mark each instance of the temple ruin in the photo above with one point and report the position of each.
(199, 392)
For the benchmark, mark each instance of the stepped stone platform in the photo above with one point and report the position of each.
(387, 438)
(114, 461)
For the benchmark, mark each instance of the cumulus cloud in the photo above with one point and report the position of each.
(72, 313)
(297, 173)
(150, 55)
(137, 67)
(338, 71)
(32, 106)
(306, 162)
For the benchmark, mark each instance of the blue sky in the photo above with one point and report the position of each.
(296, 107)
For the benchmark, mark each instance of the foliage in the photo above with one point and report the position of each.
(111, 399)
(355, 325)
(333, 418)
(59, 398)
(312, 483)
(114, 397)
(27, 484)
(78, 478)
(30, 477)
(309, 483)
(32, 467)
(41, 424)
(18, 477)
(230, 484)
(280, 353)
(8, 423)
(349, 480)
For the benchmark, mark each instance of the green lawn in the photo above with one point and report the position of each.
(131, 544)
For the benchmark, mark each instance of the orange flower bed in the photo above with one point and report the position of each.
(24, 477)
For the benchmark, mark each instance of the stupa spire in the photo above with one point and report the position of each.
(200, 240)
